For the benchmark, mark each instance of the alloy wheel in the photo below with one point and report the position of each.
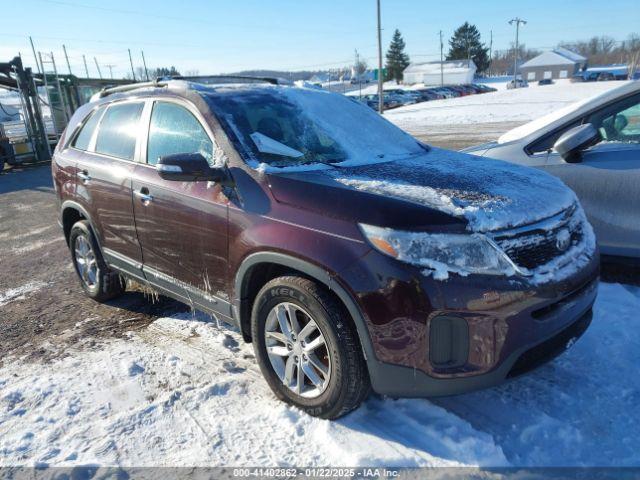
(297, 350)
(86, 263)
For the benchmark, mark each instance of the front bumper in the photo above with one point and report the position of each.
(509, 325)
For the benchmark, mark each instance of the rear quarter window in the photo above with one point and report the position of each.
(119, 130)
(83, 139)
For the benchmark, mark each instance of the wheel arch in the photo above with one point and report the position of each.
(279, 263)
(72, 212)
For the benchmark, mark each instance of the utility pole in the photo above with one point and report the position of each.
(490, 50)
(86, 69)
(98, 67)
(33, 49)
(356, 70)
(131, 62)
(144, 62)
(110, 67)
(517, 21)
(441, 61)
(380, 79)
(66, 57)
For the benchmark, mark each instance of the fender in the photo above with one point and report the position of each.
(317, 273)
(76, 206)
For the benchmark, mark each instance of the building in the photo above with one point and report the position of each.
(453, 72)
(555, 64)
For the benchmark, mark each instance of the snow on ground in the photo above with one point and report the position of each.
(519, 105)
(188, 392)
(20, 292)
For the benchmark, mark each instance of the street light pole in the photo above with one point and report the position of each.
(517, 21)
(380, 79)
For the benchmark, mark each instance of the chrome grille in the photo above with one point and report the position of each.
(537, 244)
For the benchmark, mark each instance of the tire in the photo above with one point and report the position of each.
(103, 284)
(342, 369)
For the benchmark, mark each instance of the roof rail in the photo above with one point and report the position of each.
(133, 86)
(206, 79)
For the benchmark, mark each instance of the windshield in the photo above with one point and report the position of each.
(292, 127)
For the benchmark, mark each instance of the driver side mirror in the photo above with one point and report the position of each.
(190, 167)
(571, 144)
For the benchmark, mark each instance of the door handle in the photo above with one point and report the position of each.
(144, 195)
(84, 176)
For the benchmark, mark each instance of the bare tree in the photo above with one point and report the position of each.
(502, 61)
(360, 67)
(633, 62)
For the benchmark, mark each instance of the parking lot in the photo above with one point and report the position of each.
(43, 310)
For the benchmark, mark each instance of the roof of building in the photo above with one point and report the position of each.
(449, 66)
(559, 56)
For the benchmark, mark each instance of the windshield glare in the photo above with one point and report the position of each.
(284, 127)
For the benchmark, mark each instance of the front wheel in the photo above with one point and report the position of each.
(307, 348)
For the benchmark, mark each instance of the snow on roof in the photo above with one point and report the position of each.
(559, 56)
(447, 67)
(570, 55)
(621, 68)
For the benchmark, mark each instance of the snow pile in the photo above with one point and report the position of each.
(185, 392)
(626, 88)
(490, 194)
(519, 105)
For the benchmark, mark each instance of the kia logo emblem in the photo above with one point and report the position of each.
(563, 240)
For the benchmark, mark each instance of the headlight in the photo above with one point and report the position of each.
(441, 252)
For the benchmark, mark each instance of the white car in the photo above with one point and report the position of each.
(519, 83)
(594, 147)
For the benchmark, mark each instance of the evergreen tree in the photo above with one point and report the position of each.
(167, 72)
(465, 43)
(397, 60)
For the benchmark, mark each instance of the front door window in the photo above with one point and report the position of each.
(174, 129)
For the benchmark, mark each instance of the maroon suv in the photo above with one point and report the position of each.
(350, 254)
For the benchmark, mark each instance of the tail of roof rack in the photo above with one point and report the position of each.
(133, 86)
(218, 79)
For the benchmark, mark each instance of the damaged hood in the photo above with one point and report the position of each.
(483, 194)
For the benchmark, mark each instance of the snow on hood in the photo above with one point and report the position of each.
(489, 194)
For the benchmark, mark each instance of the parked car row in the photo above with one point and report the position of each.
(399, 97)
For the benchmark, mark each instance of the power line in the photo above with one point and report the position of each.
(204, 21)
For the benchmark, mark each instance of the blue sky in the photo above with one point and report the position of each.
(224, 35)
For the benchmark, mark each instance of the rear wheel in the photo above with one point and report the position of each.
(97, 279)
(307, 348)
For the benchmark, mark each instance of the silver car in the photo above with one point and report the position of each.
(594, 147)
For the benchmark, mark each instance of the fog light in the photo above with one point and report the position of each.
(448, 341)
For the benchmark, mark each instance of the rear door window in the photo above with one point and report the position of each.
(118, 131)
(174, 129)
(83, 139)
